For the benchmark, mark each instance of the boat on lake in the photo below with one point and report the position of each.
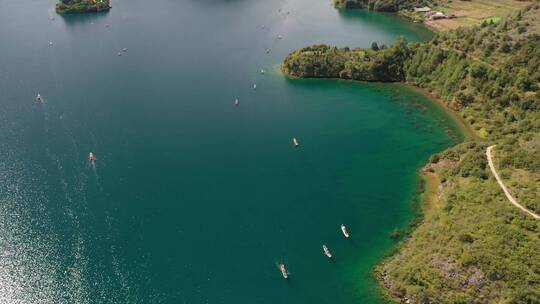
(327, 251)
(262, 71)
(295, 142)
(91, 157)
(345, 231)
(283, 270)
(254, 86)
(236, 102)
(39, 98)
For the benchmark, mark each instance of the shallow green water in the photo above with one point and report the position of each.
(193, 199)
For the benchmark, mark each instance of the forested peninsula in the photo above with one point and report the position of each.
(471, 245)
(381, 5)
(82, 6)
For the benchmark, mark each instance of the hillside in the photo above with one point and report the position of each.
(472, 246)
(474, 12)
(463, 12)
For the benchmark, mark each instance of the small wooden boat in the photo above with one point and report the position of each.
(327, 251)
(283, 270)
(345, 231)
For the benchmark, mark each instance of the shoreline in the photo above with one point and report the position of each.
(428, 182)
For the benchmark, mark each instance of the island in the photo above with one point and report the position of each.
(82, 6)
(470, 244)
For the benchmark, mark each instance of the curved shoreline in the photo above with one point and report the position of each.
(461, 124)
(428, 182)
(428, 194)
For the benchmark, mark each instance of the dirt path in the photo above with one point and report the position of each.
(506, 192)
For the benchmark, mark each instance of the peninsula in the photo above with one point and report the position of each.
(472, 245)
(381, 5)
(82, 6)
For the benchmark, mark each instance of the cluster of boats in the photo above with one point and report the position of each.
(279, 37)
(124, 50)
(326, 252)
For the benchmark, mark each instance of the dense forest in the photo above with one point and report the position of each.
(82, 6)
(474, 247)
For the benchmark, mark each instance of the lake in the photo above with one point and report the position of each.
(193, 199)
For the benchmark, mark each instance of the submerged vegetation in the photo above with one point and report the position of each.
(82, 6)
(473, 246)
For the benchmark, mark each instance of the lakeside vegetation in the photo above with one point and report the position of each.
(382, 5)
(82, 6)
(472, 246)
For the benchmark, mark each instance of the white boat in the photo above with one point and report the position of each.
(279, 37)
(262, 71)
(50, 43)
(236, 102)
(283, 270)
(267, 51)
(254, 86)
(124, 50)
(345, 231)
(119, 54)
(39, 98)
(91, 157)
(295, 142)
(326, 251)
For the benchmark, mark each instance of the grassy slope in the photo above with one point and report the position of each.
(519, 160)
(472, 246)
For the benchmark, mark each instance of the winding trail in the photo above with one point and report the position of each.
(499, 180)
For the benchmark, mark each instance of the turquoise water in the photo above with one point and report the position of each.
(193, 199)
